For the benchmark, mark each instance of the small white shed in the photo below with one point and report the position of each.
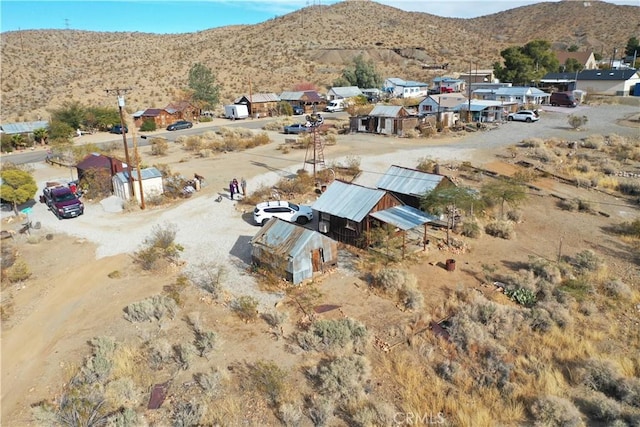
(151, 183)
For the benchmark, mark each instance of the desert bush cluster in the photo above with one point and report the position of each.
(159, 249)
(223, 139)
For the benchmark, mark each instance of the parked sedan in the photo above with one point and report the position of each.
(181, 124)
(524, 116)
(296, 128)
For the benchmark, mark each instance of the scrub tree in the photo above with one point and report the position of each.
(202, 84)
(18, 187)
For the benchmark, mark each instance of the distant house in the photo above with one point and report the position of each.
(24, 128)
(608, 82)
(520, 95)
(586, 59)
(309, 100)
(477, 76)
(456, 85)
(400, 88)
(299, 253)
(386, 120)
(482, 110)
(161, 117)
(433, 104)
(409, 185)
(260, 104)
(152, 185)
(183, 110)
(99, 167)
(343, 92)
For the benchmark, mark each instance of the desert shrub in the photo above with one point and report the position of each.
(98, 366)
(426, 164)
(587, 261)
(555, 411)
(588, 308)
(125, 417)
(502, 229)
(391, 280)
(319, 409)
(209, 276)
(601, 375)
(629, 188)
(545, 269)
(559, 314)
(290, 413)
(187, 414)
(576, 122)
(122, 391)
(411, 298)
(540, 320)
(19, 272)
(81, 406)
(601, 408)
(471, 229)
(7, 307)
(582, 182)
(579, 288)
(575, 204)
(447, 369)
(330, 138)
(617, 288)
(206, 342)
(522, 296)
(628, 228)
(342, 377)
(148, 126)
(411, 134)
(8, 256)
(246, 307)
(583, 167)
(159, 352)
(159, 246)
(210, 383)
(159, 147)
(532, 143)
(369, 413)
(544, 155)
(269, 379)
(594, 142)
(330, 334)
(183, 354)
(193, 143)
(153, 308)
(275, 318)
(514, 216)
(176, 289)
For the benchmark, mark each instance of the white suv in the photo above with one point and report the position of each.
(524, 116)
(284, 210)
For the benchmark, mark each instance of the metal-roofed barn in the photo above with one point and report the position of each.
(297, 252)
(409, 185)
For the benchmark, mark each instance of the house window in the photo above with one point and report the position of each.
(351, 225)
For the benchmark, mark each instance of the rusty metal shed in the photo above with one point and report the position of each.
(297, 251)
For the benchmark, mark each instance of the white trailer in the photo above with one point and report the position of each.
(236, 111)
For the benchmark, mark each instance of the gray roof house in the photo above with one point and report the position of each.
(608, 82)
(349, 212)
(522, 95)
(343, 92)
(433, 104)
(405, 88)
(409, 185)
(23, 127)
(296, 252)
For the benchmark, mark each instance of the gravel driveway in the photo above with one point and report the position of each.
(216, 232)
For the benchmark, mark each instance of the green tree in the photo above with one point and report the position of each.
(18, 186)
(449, 200)
(41, 135)
(571, 65)
(18, 140)
(361, 74)
(573, 48)
(504, 190)
(202, 83)
(101, 117)
(524, 64)
(633, 47)
(60, 132)
(72, 113)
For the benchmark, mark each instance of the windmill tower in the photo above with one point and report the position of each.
(315, 150)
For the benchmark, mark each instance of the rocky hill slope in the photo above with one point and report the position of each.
(43, 69)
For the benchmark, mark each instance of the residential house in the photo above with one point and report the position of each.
(386, 120)
(405, 89)
(477, 76)
(260, 104)
(297, 252)
(451, 84)
(586, 59)
(152, 185)
(433, 104)
(309, 100)
(161, 117)
(559, 82)
(519, 95)
(343, 92)
(99, 169)
(608, 82)
(24, 128)
(183, 110)
(410, 185)
(482, 110)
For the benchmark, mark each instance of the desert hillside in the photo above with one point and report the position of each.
(42, 69)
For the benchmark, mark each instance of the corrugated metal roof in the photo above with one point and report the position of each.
(282, 237)
(147, 173)
(23, 127)
(386, 111)
(259, 97)
(478, 105)
(348, 201)
(408, 181)
(346, 91)
(291, 96)
(405, 83)
(404, 217)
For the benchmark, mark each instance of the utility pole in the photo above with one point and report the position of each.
(120, 92)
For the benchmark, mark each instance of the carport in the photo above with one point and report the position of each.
(405, 218)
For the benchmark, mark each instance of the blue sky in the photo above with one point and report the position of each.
(166, 17)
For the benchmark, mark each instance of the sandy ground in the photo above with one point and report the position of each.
(71, 299)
